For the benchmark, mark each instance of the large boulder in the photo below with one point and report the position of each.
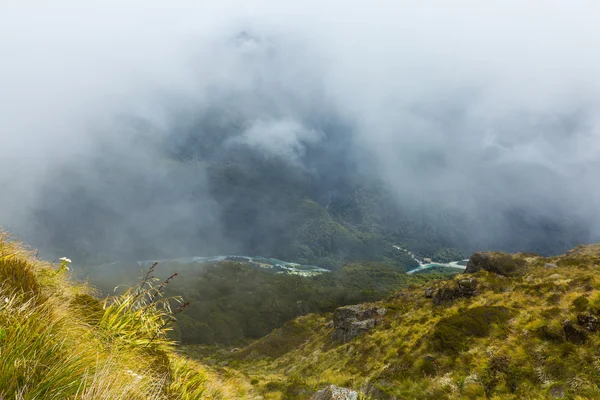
(354, 320)
(498, 263)
(333, 392)
(462, 288)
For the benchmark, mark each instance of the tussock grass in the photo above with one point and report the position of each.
(59, 342)
(517, 338)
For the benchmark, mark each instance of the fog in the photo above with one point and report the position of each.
(479, 108)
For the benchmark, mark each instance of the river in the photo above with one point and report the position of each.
(256, 261)
(422, 266)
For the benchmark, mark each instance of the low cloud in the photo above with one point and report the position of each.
(474, 107)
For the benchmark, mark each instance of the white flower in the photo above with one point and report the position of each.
(65, 259)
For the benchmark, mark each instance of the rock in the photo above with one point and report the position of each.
(572, 333)
(351, 321)
(429, 293)
(373, 391)
(463, 288)
(588, 321)
(333, 392)
(549, 265)
(557, 392)
(498, 263)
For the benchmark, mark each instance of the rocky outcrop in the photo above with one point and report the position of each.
(333, 392)
(550, 265)
(352, 321)
(588, 321)
(463, 288)
(498, 263)
(557, 392)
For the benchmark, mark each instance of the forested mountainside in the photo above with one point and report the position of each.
(201, 188)
(232, 303)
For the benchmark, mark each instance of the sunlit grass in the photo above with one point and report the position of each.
(525, 354)
(59, 342)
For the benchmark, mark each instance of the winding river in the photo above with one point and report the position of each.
(256, 261)
(461, 264)
(286, 267)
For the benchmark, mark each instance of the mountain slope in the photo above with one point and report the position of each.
(521, 327)
(59, 342)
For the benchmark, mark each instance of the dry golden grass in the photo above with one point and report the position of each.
(58, 342)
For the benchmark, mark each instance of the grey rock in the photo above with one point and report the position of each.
(333, 392)
(429, 293)
(352, 321)
(463, 288)
(588, 321)
(557, 392)
(550, 265)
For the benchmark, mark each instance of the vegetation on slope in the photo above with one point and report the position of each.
(530, 335)
(59, 342)
(231, 303)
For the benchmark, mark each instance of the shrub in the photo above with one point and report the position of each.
(550, 312)
(581, 303)
(452, 334)
(557, 367)
(550, 330)
(426, 367)
(473, 390)
(280, 341)
(553, 298)
(499, 263)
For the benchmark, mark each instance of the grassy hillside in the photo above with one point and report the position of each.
(58, 342)
(231, 302)
(528, 334)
